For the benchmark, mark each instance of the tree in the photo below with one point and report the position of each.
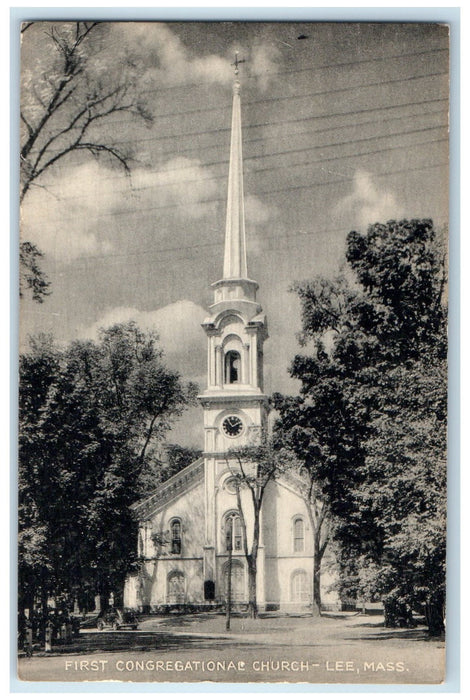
(67, 96)
(371, 412)
(31, 275)
(177, 458)
(92, 417)
(38, 372)
(291, 434)
(253, 467)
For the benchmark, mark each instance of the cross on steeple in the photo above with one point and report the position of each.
(237, 62)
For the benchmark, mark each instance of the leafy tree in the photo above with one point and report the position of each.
(292, 435)
(371, 412)
(177, 458)
(68, 95)
(38, 371)
(91, 417)
(31, 275)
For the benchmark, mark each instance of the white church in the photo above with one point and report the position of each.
(186, 524)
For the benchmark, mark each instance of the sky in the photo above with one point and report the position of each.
(342, 128)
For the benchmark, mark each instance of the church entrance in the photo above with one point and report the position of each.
(176, 588)
(238, 581)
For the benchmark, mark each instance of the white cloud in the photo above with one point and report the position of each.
(256, 211)
(57, 219)
(367, 204)
(179, 329)
(182, 182)
(78, 212)
(263, 63)
(171, 62)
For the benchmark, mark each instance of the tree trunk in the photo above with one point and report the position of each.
(252, 604)
(318, 551)
(398, 614)
(316, 593)
(434, 612)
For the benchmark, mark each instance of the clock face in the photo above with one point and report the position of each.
(232, 426)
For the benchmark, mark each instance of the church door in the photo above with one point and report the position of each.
(176, 588)
(238, 582)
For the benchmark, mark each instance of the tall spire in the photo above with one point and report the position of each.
(235, 245)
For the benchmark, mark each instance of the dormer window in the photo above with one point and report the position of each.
(232, 367)
(175, 536)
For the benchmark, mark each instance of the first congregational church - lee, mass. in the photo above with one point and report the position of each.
(197, 508)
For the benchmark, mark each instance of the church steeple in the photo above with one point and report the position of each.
(236, 327)
(234, 403)
(235, 246)
(235, 283)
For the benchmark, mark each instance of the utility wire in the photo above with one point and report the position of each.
(268, 100)
(196, 202)
(255, 171)
(304, 149)
(264, 138)
(253, 78)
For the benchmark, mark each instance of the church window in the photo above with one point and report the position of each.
(233, 533)
(175, 534)
(232, 367)
(231, 485)
(299, 587)
(298, 535)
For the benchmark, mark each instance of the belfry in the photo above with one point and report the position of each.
(188, 525)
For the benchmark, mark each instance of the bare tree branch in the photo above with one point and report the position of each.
(61, 104)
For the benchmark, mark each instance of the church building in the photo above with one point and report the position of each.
(189, 524)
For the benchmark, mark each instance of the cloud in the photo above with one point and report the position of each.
(263, 63)
(55, 218)
(256, 211)
(182, 182)
(179, 329)
(170, 62)
(81, 210)
(367, 204)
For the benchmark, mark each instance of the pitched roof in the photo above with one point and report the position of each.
(176, 485)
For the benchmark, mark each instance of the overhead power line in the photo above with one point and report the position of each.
(264, 138)
(252, 78)
(287, 123)
(283, 98)
(156, 185)
(255, 192)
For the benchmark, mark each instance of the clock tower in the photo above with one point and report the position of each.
(234, 403)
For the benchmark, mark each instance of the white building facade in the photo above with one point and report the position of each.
(188, 525)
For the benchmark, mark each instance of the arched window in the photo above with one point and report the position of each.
(233, 533)
(175, 536)
(232, 367)
(230, 485)
(298, 535)
(299, 587)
